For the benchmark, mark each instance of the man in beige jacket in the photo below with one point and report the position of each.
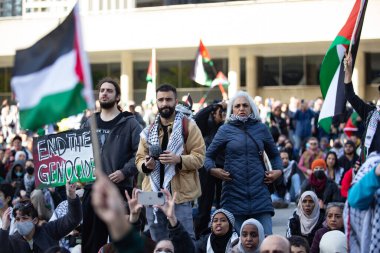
(176, 167)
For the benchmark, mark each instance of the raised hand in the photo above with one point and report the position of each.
(134, 206)
(168, 207)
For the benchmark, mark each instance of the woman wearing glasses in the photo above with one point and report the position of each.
(33, 238)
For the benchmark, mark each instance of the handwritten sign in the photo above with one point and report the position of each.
(62, 157)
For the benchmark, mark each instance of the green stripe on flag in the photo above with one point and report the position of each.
(325, 124)
(53, 108)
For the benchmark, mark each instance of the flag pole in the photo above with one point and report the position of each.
(95, 143)
(353, 37)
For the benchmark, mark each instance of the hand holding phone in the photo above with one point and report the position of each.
(150, 198)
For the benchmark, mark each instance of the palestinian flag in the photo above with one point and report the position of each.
(51, 79)
(150, 96)
(203, 67)
(351, 124)
(332, 69)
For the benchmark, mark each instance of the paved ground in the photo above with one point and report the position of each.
(280, 219)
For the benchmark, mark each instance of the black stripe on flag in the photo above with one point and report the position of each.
(47, 50)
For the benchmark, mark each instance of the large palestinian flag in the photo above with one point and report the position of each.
(203, 67)
(51, 79)
(332, 69)
(150, 96)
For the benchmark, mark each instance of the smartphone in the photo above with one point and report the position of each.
(150, 198)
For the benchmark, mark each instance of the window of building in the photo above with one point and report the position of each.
(243, 80)
(5, 79)
(292, 70)
(289, 70)
(99, 71)
(10, 8)
(373, 68)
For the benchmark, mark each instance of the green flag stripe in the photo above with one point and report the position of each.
(53, 108)
(326, 124)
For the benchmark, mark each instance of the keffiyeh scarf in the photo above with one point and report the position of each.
(234, 118)
(363, 226)
(371, 128)
(175, 145)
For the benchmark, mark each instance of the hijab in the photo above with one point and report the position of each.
(308, 222)
(260, 230)
(219, 243)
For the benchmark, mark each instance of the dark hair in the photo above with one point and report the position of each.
(17, 137)
(298, 241)
(8, 191)
(336, 165)
(25, 207)
(115, 84)
(167, 87)
(283, 150)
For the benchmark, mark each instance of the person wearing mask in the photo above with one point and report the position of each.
(307, 218)
(251, 237)
(326, 189)
(15, 176)
(334, 221)
(6, 196)
(209, 119)
(222, 234)
(369, 113)
(29, 178)
(33, 238)
(311, 153)
(244, 138)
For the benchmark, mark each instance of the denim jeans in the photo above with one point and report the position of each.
(159, 230)
(295, 187)
(264, 218)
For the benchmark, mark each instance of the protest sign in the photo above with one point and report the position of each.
(62, 157)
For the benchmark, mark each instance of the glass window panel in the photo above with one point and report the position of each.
(373, 68)
(98, 71)
(114, 70)
(292, 70)
(168, 72)
(243, 80)
(268, 68)
(186, 69)
(140, 70)
(313, 67)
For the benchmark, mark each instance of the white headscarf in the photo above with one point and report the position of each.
(308, 222)
(333, 241)
(260, 229)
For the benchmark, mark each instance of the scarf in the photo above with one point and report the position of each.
(234, 118)
(363, 225)
(221, 244)
(318, 185)
(260, 229)
(175, 145)
(308, 222)
(371, 128)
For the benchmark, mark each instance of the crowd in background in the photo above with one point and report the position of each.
(311, 167)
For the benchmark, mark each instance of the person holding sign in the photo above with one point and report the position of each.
(170, 152)
(118, 135)
(33, 238)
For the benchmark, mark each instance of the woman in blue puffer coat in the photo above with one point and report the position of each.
(245, 193)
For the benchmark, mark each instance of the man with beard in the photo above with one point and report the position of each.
(176, 167)
(118, 135)
(347, 161)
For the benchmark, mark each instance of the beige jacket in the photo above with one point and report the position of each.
(186, 181)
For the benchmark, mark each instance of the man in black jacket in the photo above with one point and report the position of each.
(369, 113)
(118, 134)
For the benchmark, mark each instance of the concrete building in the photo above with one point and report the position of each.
(271, 48)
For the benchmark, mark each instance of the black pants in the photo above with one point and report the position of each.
(210, 186)
(94, 230)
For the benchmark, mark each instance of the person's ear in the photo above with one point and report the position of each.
(35, 221)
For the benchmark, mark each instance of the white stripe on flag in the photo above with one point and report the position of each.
(200, 74)
(328, 108)
(59, 77)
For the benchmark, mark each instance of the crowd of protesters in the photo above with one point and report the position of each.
(223, 171)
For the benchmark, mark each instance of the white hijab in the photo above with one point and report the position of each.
(260, 229)
(308, 222)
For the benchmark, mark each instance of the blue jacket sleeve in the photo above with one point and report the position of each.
(361, 194)
(217, 144)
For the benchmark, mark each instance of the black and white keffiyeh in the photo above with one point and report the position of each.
(371, 129)
(175, 145)
(363, 226)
